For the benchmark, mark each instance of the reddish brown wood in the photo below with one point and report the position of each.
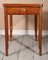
(16, 8)
(6, 31)
(23, 5)
(35, 27)
(10, 27)
(40, 32)
(23, 9)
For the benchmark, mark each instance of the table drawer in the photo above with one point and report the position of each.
(23, 10)
(16, 10)
(33, 10)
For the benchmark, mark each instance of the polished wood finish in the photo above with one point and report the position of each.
(40, 32)
(10, 27)
(23, 9)
(24, 5)
(6, 31)
(35, 27)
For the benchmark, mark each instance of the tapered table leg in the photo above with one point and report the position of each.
(35, 27)
(40, 32)
(6, 32)
(10, 27)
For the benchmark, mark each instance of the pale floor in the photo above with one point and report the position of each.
(24, 48)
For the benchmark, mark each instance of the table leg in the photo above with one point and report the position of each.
(35, 27)
(40, 33)
(6, 33)
(10, 27)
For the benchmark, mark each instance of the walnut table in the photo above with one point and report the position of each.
(23, 9)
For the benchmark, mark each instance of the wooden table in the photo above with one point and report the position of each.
(23, 9)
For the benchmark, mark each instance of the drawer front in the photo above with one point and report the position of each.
(23, 11)
(33, 10)
(16, 10)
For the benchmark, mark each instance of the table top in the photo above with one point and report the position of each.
(23, 5)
